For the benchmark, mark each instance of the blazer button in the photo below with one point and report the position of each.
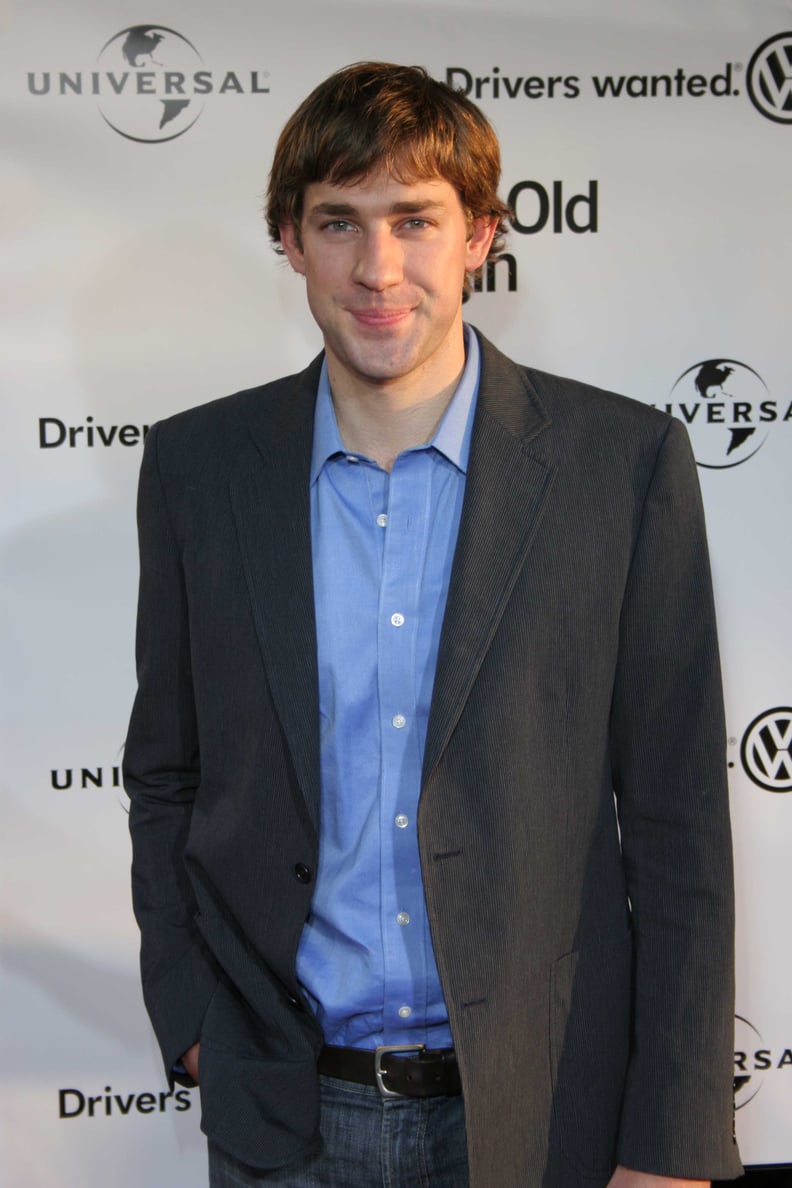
(302, 873)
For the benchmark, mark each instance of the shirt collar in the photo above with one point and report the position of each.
(451, 438)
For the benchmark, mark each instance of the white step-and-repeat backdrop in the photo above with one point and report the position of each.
(647, 156)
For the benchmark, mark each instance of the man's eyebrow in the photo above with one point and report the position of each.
(417, 205)
(332, 208)
(347, 210)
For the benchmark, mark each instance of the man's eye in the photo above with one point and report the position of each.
(417, 224)
(337, 225)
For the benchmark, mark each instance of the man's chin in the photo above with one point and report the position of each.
(379, 366)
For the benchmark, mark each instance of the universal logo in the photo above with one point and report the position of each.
(768, 82)
(73, 1103)
(766, 750)
(150, 83)
(64, 778)
(752, 1060)
(727, 409)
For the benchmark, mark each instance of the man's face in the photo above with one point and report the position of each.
(384, 264)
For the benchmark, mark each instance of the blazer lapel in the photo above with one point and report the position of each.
(271, 507)
(505, 493)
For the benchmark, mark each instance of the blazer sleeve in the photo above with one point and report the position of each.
(668, 755)
(161, 776)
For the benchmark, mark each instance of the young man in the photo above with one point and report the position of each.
(431, 842)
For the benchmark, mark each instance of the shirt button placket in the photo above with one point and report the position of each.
(398, 627)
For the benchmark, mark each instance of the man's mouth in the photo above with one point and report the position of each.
(380, 317)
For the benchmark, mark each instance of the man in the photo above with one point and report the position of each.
(427, 752)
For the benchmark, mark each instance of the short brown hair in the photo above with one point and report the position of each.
(375, 115)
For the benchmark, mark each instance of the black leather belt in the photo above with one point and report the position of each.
(398, 1070)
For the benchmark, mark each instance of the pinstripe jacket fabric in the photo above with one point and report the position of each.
(573, 821)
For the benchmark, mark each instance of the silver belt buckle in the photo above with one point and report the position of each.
(379, 1072)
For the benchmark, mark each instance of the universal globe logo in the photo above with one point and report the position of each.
(754, 1060)
(147, 67)
(727, 409)
(150, 83)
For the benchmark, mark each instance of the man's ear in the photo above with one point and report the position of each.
(481, 237)
(291, 242)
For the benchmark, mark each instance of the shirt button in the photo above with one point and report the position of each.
(405, 1012)
(397, 620)
(399, 721)
(403, 918)
(302, 873)
(351, 458)
(382, 519)
(401, 821)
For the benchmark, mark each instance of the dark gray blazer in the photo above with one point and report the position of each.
(573, 820)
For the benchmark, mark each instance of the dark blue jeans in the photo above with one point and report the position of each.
(368, 1142)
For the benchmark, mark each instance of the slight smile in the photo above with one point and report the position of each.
(380, 317)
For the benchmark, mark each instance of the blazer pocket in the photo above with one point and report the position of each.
(232, 1025)
(590, 1017)
(263, 1110)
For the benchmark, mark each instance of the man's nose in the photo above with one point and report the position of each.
(379, 264)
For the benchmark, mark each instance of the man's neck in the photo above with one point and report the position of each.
(382, 428)
(383, 420)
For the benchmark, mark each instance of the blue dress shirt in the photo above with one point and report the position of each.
(383, 545)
